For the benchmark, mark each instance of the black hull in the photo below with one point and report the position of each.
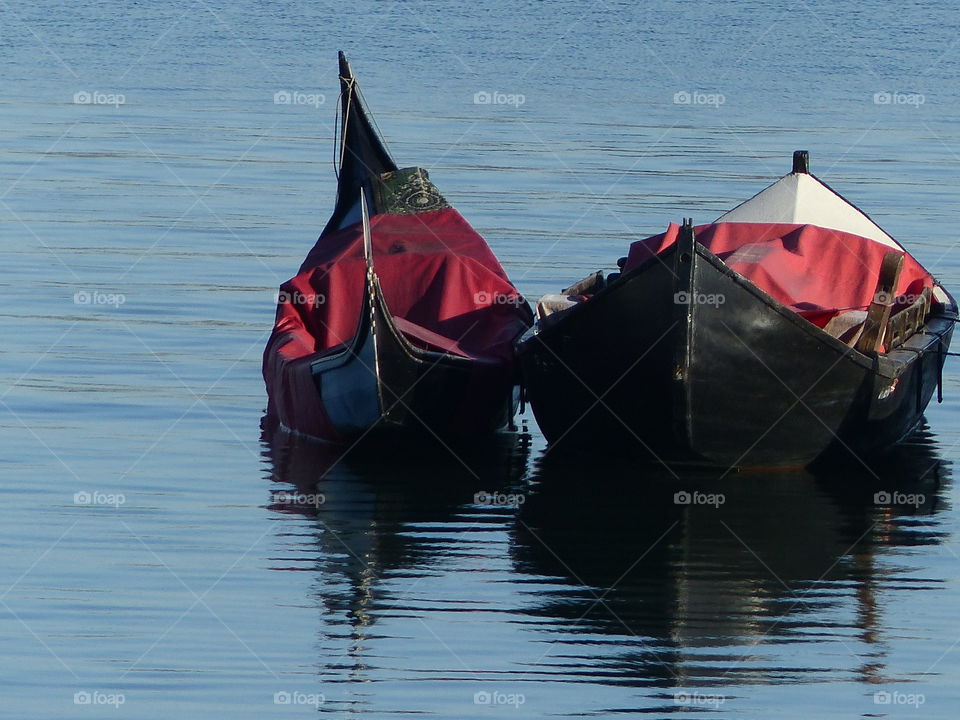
(383, 383)
(738, 382)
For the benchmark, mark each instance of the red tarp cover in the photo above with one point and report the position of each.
(437, 275)
(815, 271)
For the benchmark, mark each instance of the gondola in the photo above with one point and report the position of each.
(400, 318)
(790, 329)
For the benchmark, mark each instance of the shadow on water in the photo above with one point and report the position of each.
(648, 579)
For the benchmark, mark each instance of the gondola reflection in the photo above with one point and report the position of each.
(366, 498)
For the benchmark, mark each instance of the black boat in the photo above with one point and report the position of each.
(400, 317)
(730, 344)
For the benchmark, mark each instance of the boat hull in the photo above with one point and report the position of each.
(441, 364)
(383, 383)
(682, 361)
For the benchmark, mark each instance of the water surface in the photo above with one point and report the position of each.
(163, 547)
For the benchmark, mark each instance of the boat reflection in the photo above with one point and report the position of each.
(368, 499)
(614, 574)
(707, 580)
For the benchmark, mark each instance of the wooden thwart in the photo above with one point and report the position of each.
(878, 314)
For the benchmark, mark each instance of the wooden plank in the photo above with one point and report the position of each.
(878, 314)
(906, 322)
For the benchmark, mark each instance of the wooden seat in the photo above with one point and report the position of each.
(878, 314)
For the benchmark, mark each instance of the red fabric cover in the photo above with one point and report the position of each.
(435, 271)
(815, 271)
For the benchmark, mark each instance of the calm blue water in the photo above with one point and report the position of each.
(163, 555)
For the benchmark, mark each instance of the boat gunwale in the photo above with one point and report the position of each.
(886, 364)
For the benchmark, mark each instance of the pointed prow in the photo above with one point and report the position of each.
(360, 152)
(345, 71)
(347, 82)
